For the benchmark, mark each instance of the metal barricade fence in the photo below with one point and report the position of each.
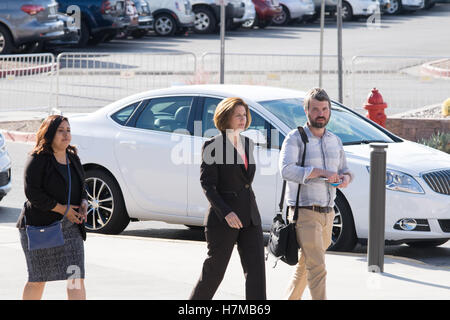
(280, 70)
(27, 82)
(88, 81)
(406, 83)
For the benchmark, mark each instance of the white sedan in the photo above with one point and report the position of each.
(142, 159)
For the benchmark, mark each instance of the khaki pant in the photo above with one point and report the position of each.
(314, 237)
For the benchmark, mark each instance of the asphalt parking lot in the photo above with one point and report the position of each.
(418, 33)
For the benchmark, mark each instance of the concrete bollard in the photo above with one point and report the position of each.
(377, 205)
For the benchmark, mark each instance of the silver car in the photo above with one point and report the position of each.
(5, 168)
(294, 10)
(27, 22)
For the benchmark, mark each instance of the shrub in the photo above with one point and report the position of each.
(440, 141)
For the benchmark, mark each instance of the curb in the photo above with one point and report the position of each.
(17, 136)
(430, 68)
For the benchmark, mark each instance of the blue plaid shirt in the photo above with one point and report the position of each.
(323, 153)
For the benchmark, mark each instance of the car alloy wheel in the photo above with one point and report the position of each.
(106, 211)
(2, 43)
(343, 235)
(202, 21)
(347, 13)
(282, 18)
(165, 25)
(6, 42)
(101, 203)
(394, 7)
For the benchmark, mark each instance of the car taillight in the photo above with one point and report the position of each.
(106, 7)
(32, 9)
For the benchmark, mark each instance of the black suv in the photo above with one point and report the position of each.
(100, 19)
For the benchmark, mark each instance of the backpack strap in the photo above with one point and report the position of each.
(283, 191)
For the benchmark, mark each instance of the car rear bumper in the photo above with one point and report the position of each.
(37, 31)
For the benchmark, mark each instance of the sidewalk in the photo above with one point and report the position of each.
(124, 267)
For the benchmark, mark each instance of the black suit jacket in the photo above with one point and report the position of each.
(226, 183)
(45, 186)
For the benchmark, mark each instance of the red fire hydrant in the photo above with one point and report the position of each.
(375, 107)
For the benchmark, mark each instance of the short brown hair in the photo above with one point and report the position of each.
(225, 109)
(46, 134)
(318, 94)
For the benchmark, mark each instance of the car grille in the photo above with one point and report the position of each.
(445, 225)
(439, 181)
(5, 177)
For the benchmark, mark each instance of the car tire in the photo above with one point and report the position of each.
(344, 233)
(165, 25)
(84, 35)
(429, 4)
(106, 213)
(426, 243)
(138, 34)
(395, 7)
(6, 41)
(347, 12)
(205, 21)
(283, 18)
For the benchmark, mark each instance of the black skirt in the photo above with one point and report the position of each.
(59, 263)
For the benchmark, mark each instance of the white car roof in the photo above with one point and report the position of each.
(246, 92)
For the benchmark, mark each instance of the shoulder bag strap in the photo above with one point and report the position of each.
(305, 141)
(283, 191)
(70, 186)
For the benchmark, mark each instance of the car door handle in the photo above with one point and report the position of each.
(130, 144)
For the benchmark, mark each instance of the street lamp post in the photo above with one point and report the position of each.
(340, 71)
(322, 25)
(222, 41)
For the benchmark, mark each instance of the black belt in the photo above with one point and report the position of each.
(316, 208)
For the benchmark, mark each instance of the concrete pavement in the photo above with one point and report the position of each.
(124, 267)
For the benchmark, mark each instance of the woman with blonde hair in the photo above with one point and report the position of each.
(51, 166)
(226, 174)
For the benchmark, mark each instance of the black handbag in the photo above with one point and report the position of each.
(283, 243)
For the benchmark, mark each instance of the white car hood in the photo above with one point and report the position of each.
(408, 157)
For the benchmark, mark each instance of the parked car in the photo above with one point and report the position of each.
(145, 19)
(398, 6)
(248, 17)
(266, 10)
(207, 14)
(171, 16)
(100, 19)
(5, 168)
(353, 9)
(27, 23)
(142, 162)
(294, 10)
(330, 8)
(429, 4)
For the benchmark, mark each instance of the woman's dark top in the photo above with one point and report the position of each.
(75, 195)
(227, 183)
(45, 185)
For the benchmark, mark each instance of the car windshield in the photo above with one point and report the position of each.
(346, 125)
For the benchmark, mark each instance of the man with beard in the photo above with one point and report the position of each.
(325, 163)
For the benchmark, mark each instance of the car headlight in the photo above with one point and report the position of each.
(2, 140)
(2, 144)
(400, 181)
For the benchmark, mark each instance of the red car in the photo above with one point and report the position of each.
(265, 11)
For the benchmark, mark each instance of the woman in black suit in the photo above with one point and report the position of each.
(226, 175)
(46, 188)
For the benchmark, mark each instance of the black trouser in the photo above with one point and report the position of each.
(221, 240)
